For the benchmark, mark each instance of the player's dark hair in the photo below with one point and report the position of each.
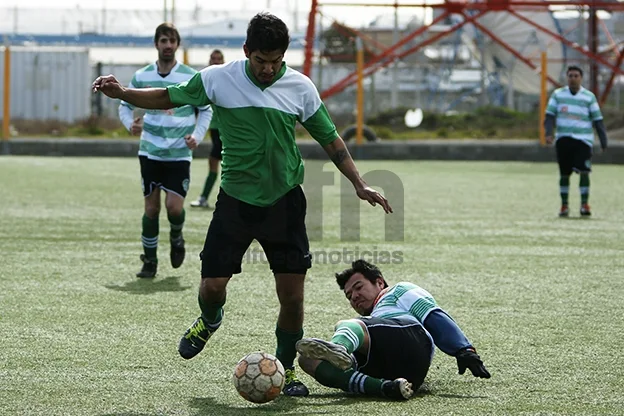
(575, 68)
(166, 29)
(267, 32)
(368, 270)
(216, 51)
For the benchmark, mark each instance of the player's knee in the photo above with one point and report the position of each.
(213, 289)
(344, 322)
(152, 211)
(174, 208)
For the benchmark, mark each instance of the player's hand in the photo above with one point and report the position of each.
(550, 139)
(108, 85)
(191, 142)
(137, 127)
(467, 358)
(373, 197)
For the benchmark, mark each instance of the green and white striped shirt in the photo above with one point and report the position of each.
(164, 130)
(405, 300)
(575, 114)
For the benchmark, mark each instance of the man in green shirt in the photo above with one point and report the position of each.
(258, 102)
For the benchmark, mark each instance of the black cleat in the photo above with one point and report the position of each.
(149, 268)
(194, 339)
(177, 252)
(399, 389)
(293, 387)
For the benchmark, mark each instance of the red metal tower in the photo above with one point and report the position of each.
(471, 12)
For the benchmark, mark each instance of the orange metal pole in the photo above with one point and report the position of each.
(543, 98)
(6, 99)
(309, 39)
(359, 125)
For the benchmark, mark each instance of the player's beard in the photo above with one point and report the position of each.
(169, 57)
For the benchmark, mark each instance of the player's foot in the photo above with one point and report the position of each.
(564, 211)
(585, 210)
(201, 202)
(177, 252)
(293, 386)
(194, 339)
(318, 349)
(399, 389)
(149, 267)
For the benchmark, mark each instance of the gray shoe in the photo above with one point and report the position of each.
(318, 349)
(200, 203)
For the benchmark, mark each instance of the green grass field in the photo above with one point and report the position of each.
(542, 298)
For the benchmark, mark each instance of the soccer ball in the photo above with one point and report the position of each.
(259, 377)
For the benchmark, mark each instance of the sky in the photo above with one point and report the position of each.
(357, 16)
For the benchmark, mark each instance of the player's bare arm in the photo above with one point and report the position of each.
(148, 98)
(339, 154)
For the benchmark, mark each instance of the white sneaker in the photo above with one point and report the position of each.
(200, 203)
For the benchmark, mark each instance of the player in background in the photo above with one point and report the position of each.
(575, 113)
(258, 101)
(387, 351)
(164, 148)
(214, 159)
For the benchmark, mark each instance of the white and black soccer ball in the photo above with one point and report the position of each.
(259, 377)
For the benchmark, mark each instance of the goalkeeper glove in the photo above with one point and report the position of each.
(468, 358)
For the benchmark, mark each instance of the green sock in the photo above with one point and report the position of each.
(349, 334)
(177, 223)
(286, 341)
(564, 189)
(149, 237)
(210, 181)
(212, 313)
(584, 187)
(348, 380)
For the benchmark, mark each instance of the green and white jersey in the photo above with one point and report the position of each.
(405, 300)
(261, 161)
(164, 130)
(575, 113)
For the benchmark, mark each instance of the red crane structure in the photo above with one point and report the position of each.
(471, 12)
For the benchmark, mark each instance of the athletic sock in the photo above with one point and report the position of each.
(212, 313)
(349, 334)
(149, 238)
(210, 181)
(584, 187)
(348, 380)
(286, 341)
(177, 223)
(564, 189)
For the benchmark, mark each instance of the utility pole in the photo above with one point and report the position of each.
(15, 10)
(394, 99)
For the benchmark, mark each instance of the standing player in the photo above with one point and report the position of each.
(164, 149)
(387, 351)
(258, 101)
(216, 58)
(574, 109)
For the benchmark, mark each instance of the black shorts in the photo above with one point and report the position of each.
(280, 230)
(573, 155)
(172, 176)
(398, 348)
(216, 144)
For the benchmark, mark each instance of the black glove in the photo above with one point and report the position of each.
(468, 358)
